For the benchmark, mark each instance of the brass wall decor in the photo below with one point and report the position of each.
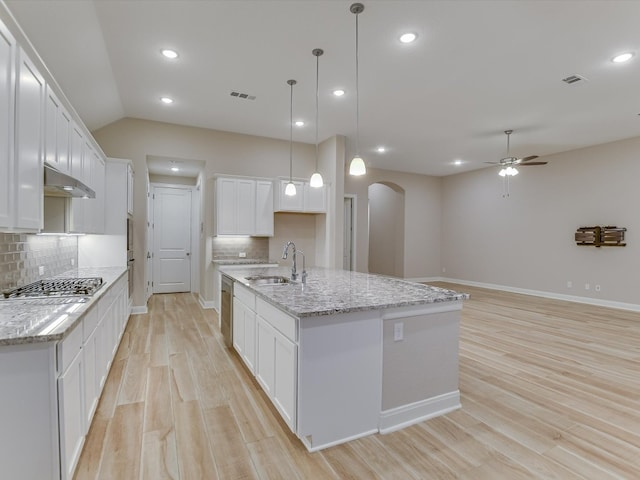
(609, 236)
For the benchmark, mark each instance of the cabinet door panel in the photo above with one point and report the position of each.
(71, 415)
(284, 386)
(226, 193)
(265, 362)
(29, 145)
(7, 89)
(246, 207)
(238, 326)
(264, 208)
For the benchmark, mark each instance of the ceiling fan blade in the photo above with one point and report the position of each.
(530, 157)
(528, 164)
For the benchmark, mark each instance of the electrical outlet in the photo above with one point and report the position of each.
(242, 254)
(41, 270)
(569, 284)
(73, 262)
(444, 270)
(587, 286)
(597, 288)
(398, 332)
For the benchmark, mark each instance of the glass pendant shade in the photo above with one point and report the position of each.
(316, 180)
(290, 189)
(357, 166)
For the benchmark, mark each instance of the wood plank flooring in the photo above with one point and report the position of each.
(550, 390)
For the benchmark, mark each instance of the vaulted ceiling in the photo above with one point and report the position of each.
(476, 69)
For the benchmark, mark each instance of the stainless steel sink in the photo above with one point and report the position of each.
(267, 280)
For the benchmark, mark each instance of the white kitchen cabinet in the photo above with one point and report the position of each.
(76, 150)
(285, 203)
(315, 199)
(235, 206)
(30, 91)
(57, 124)
(306, 200)
(7, 98)
(244, 326)
(277, 356)
(71, 415)
(264, 208)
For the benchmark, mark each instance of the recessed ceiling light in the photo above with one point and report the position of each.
(170, 53)
(299, 123)
(338, 92)
(166, 100)
(457, 162)
(408, 37)
(623, 57)
(381, 149)
(175, 169)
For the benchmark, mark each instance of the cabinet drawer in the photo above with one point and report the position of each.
(285, 324)
(244, 295)
(69, 348)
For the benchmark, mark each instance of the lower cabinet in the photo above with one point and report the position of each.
(276, 369)
(93, 342)
(264, 338)
(70, 415)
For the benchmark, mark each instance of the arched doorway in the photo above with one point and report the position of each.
(386, 229)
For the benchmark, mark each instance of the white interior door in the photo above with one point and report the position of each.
(171, 240)
(148, 256)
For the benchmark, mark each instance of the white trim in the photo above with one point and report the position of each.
(424, 309)
(424, 279)
(206, 304)
(139, 310)
(406, 415)
(538, 293)
(336, 442)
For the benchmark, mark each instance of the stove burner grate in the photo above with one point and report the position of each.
(57, 287)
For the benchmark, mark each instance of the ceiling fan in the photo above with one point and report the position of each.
(508, 165)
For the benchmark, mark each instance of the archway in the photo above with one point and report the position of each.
(386, 229)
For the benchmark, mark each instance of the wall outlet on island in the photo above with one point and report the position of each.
(569, 284)
(242, 254)
(398, 332)
(41, 270)
(73, 262)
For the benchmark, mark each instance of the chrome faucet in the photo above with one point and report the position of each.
(294, 269)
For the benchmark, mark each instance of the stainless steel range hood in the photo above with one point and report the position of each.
(58, 184)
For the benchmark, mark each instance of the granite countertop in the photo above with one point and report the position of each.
(329, 292)
(240, 261)
(38, 320)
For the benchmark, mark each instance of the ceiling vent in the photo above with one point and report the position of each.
(245, 96)
(573, 79)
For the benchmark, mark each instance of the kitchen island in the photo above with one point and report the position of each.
(348, 354)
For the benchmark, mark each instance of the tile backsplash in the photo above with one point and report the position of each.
(231, 247)
(21, 254)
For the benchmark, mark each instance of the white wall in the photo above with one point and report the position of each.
(422, 220)
(386, 230)
(527, 240)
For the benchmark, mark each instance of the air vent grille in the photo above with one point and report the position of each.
(245, 96)
(573, 79)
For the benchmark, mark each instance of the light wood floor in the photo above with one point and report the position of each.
(549, 389)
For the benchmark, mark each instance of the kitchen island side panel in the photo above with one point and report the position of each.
(339, 378)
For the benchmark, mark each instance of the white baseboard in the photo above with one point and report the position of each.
(139, 310)
(538, 293)
(424, 279)
(205, 304)
(406, 415)
(336, 442)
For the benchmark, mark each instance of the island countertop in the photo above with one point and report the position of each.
(31, 320)
(330, 292)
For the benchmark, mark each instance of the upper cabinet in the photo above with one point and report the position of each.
(7, 92)
(30, 91)
(57, 130)
(306, 200)
(129, 189)
(244, 206)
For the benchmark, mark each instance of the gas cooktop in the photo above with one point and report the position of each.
(57, 287)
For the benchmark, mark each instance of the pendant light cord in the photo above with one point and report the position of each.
(291, 83)
(357, 95)
(317, 102)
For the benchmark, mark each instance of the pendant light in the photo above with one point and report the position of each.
(290, 189)
(357, 166)
(316, 179)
